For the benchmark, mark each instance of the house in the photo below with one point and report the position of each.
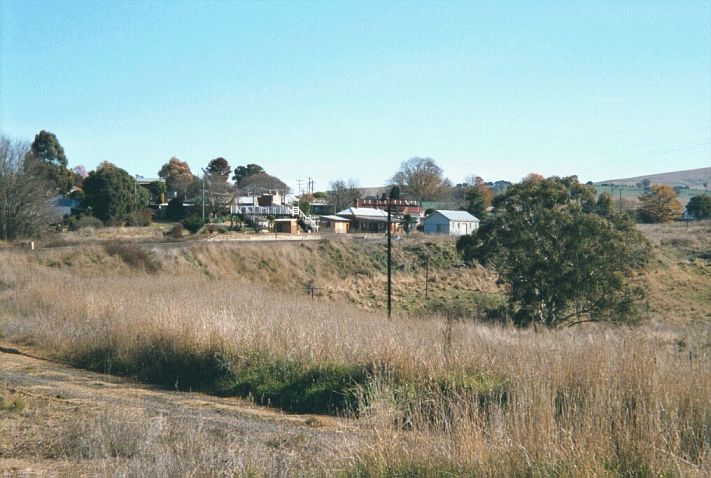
(398, 207)
(364, 219)
(334, 224)
(453, 223)
(62, 206)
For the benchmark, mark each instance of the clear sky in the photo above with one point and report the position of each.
(351, 89)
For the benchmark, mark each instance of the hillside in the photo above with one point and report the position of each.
(420, 395)
(351, 271)
(339, 270)
(692, 178)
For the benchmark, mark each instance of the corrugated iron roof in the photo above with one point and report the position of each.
(363, 212)
(457, 215)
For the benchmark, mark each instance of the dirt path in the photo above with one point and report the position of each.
(52, 395)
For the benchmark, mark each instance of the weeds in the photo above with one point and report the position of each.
(474, 399)
(133, 256)
(16, 404)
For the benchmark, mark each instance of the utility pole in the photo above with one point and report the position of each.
(298, 186)
(427, 277)
(390, 288)
(620, 198)
(203, 195)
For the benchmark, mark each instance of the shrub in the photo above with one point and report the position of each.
(133, 256)
(76, 224)
(193, 223)
(175, 210)
(211, 228)
(176, 231)
(140, 218)
(16, 404)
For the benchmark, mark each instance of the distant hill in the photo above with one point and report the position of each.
(691, 178)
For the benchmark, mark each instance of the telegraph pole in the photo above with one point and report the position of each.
(203, 195)
(427, 277)
(390, 288)
(620, 198)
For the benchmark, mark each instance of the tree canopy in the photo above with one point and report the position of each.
(47, 161)
(659, 205)
(177, 175)
(421, 179)
(262, 182)
(700, 206)
(24, 198)
(563, 255)
(477, 196)
(112, 194)
(219, 168)
(242, 172)
(157, 190)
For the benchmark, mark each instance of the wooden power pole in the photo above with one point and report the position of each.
(390, 289)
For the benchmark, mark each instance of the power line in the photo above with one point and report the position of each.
(643, 150)
(640, 157)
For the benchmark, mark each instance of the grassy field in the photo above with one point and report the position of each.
(427, 396)
(631, 194)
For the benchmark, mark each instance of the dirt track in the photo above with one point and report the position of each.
(55, 393)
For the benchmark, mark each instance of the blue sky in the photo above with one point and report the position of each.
(351, 89)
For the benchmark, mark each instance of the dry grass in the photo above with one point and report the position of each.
(57, 437)
(460, 398)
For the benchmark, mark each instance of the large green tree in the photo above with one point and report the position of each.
(112, 194)
(564, 256)
(242, 172)
(46, 160)
(700, 206)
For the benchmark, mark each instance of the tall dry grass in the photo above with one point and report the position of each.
(459, 397)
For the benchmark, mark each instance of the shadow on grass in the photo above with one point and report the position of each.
(286, 384)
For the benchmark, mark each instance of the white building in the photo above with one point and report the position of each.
(453, 223)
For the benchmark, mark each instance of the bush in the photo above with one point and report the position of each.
(193, 223)
(175, 210)
(140, 218)
(211, 228)
(176, 232)
(133, 256)
(83, 222)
